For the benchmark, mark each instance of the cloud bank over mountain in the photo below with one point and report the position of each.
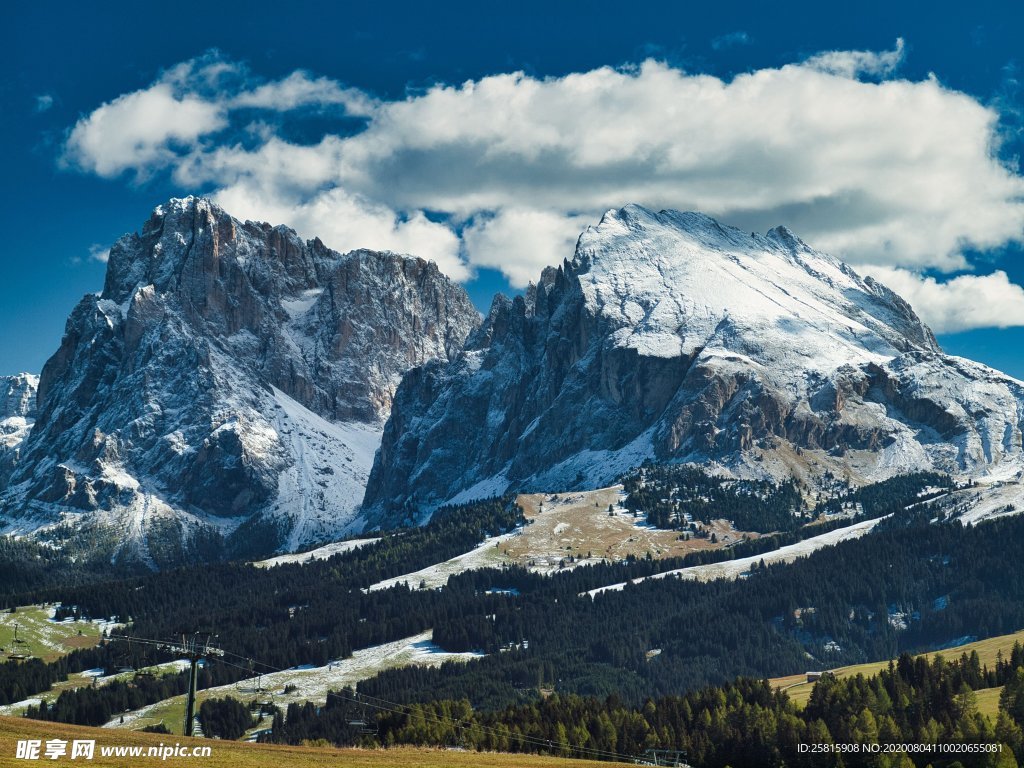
(501, 171)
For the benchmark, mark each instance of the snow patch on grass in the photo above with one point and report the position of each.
(310, 683)
(732, 569)
(487, 555)
(322, 553)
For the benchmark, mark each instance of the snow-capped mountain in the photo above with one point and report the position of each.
(672, 337)
(17, 414)
(229, 383)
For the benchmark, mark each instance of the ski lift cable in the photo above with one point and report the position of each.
(404, 709)
(401, 709)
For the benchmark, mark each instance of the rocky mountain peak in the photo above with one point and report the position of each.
(670, 336)
(230, 381)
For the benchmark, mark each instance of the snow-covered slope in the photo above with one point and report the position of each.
(326, 552)
(672, 337)
(673, 284)
(230, 383)
(305, 684)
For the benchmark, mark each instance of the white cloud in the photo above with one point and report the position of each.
(891, 172)
(299, 90)
(521, 242)
(98, 253)
(960, 304)
(275, 165)
(854, 63)
(896, 172)
(140, 130)
(44, 102)
(155, 127)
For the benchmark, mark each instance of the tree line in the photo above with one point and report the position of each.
(744, 722)
(679, 496)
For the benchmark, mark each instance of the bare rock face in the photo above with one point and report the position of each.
(18, 395)
(669, 336)
(17, 415)
(229, 384)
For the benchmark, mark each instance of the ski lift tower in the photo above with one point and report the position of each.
(19, 647)
(195, 647)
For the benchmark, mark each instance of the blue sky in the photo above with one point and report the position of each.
(485, 135)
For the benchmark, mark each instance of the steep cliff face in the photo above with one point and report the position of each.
(17, 414)
(671, 337)
(230, 381)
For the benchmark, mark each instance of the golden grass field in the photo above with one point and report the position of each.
(988, 702)
(799, 689)
(232, 754)
(577, 523)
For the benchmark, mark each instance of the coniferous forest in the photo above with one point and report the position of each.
(741, 723)
(656, 659)
(679, 496)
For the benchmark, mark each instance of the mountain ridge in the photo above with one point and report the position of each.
(227, 391)
(229, 383)
(670, 337)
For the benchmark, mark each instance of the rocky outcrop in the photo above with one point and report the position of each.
(17, 415)
(230, 381)
(18, 395)
(671, 337)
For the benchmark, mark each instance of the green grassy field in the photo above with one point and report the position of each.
(44, 638)
(50, 696)
(232, 754)
(800, 690)
(169, 712)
